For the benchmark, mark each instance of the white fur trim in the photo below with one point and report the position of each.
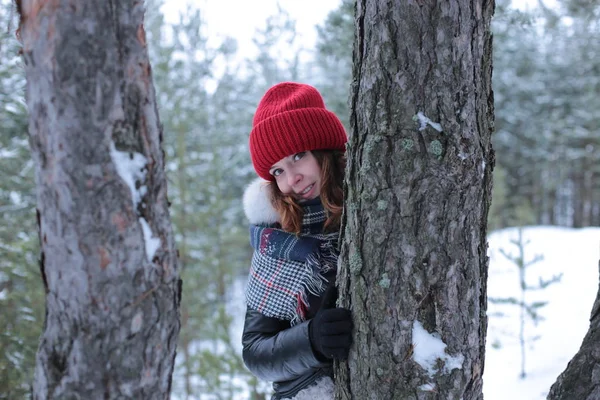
(323, 389)
(257, 203)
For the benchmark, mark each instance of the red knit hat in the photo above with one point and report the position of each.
(291, 118)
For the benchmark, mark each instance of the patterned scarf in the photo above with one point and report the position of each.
(287, 267)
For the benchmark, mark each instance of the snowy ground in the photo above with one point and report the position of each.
(575, 254)
(572, 252)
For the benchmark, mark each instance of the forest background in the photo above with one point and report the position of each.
(546, 85)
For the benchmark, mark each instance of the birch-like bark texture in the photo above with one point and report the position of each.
(112, 303)
(417, 197)
(581, 379)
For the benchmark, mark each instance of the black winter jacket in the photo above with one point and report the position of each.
(277, 352)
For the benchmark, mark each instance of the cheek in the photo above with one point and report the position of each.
(316, 169)
(283, 185)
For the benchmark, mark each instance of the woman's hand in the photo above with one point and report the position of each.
(330, 331)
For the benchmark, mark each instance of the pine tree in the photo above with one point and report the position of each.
(108, 260)
(334, 58)
(206, 114)
(21, 291)
(528, 310)
(413, 261)
(546, 91)
(573, 83)
(278, 57)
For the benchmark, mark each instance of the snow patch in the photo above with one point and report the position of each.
(3, 278)
(429, 348)
(126, 389)
(136, 322)
(8, 153)
(15, 198)
(424, 121)
(152, 243)
(130, 167)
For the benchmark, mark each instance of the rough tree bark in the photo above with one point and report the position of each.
(417, 199)
(581, 379)
(109, 262)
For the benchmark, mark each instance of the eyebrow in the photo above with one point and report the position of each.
(275, 166)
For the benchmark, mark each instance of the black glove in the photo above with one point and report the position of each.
(330, 331)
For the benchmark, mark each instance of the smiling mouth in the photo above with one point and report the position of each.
(305, 191)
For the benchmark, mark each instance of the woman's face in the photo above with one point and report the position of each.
(298, 175)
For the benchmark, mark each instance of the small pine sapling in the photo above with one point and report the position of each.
(527, 309)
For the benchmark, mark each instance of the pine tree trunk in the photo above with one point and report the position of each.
(581, 379)
(414, 245)
(587, 192)
(577, 195)
(108, 262)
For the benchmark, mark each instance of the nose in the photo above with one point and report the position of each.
(293, 178)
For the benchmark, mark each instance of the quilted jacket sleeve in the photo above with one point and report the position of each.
(275, 351)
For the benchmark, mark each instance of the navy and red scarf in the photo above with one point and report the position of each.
(287, 267)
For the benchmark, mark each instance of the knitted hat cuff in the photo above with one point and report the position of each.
(292, 132)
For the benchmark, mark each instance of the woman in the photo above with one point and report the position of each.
(293, 331)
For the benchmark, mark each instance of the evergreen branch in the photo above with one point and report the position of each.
(535, 260)
(543, 284)
(503, 300)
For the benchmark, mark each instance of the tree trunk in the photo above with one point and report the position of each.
(414, 246)
(581, 379)
(108, 262)
(587, 195)
(577, 194)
